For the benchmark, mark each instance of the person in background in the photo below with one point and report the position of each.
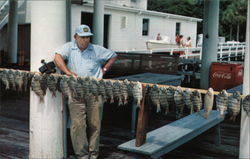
(177, 39)
(182, 44)
(189, 42)
(158, 37)
(85, 59)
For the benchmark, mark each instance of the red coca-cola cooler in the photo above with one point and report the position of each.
(225, 75)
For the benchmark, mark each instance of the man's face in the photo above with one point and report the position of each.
(82, 41)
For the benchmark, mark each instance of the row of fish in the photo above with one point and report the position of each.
(121, 91)
(164, 97)
(15, 79)
(72, 87)
(232, 104)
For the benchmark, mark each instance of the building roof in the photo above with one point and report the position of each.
(147, 12)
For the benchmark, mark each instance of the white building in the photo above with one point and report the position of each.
(128, 24)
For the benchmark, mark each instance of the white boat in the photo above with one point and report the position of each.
(164, 43)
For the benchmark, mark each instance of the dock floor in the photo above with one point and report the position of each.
(14, 133)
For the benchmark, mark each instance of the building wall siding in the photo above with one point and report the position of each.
(130, 37)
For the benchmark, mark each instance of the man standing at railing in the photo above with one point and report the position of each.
(85, 59)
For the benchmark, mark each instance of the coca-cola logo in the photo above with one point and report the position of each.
(222, 75)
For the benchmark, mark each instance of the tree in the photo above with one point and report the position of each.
(232, 13)
(235, 15)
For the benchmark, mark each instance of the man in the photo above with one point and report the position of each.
(85, 59)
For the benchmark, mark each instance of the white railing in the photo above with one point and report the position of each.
(4, 13)
(224, 52)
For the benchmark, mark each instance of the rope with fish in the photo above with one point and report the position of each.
(163, 97)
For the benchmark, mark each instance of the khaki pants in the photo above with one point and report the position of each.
(85, 126)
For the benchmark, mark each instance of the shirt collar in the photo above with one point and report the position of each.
(89, 48)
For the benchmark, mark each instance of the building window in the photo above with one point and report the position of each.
(145, 27)
(123, 22)
(133, 0)
(178, 28)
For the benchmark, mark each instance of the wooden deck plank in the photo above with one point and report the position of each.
(168, 137)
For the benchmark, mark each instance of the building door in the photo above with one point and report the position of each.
(23, 51)
(87, 18)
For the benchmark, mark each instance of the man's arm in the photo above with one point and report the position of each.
(107, 66)
(59, 61)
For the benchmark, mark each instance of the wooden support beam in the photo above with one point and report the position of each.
(142, 121)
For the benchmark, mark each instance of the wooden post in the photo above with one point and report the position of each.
(142, 120)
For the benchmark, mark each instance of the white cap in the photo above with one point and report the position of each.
(83, 30)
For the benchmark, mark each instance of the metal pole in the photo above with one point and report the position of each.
(210, 39)
(68, 20)
(245, 120)
(12, 31)
(98, 22)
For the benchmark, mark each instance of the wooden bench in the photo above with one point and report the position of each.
(165, 139)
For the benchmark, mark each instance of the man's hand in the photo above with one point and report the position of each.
(71, 74)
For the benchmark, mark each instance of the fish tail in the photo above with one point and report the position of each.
(205, 115)
(111, 100)
(192, 110)
(166, 110)
(7, 87)
(120, 102)
(53, 94)
(158, 108)
(41, 99)
(232, 118)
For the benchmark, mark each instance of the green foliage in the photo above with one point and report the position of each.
(181, 7)
(232, 12)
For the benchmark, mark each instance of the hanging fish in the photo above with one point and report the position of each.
(125, 91)
(170, 97)
(234, 105)
(222, 102)
(246, 105)
(208, 102)
(109, 90)
(72, 85)
(187, 95)
(43, 82)
(52, 84)
(19, 80)
(197, 101)
(102, 90)
(154, 96)
(86, 86)
(5, 80)
(93, 87)
(79, 87)
(137, 92)
(179, 102)
(11, 78)
(163, 99)
(117, 92)
(26, 80)
(64, 86)
(36, 86)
